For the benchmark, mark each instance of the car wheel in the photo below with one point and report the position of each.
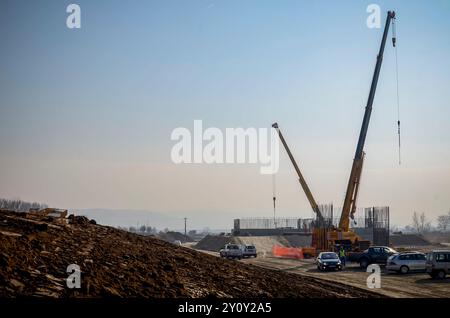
(364, 263)
(404, 270)
(440, 275)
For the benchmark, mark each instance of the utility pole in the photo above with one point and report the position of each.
(185, 234)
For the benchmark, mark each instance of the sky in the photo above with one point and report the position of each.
(86, 114)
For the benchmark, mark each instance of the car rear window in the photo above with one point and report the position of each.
(442, 257)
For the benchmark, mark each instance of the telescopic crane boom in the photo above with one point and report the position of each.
(302, 180)
(349, 207)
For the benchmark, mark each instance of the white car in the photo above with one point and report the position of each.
(407, 262)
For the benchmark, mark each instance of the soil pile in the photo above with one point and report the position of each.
(174, 236)
(408, 240)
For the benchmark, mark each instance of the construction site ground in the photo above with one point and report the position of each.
(35, 254)
(392, 284)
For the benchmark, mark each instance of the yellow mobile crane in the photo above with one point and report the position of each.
(325, 236)
(319, 239)
(343, 234)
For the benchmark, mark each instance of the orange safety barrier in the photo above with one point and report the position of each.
(289, 252)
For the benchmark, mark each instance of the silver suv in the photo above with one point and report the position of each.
(249, 251)
(438, 263)
(406, 262)
(231, 251)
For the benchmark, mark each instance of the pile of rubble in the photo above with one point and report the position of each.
(35, 254)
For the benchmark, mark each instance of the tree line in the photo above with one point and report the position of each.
(18, 205)
(421, 224)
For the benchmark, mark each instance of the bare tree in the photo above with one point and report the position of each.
(421, 223)
(416, 222)
(443, 222)
(425, 225)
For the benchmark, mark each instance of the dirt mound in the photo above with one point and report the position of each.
(174, 236)
(299, 240)
(438, 237)
(408, 240)
(263, 244)
(214, 242)
(115, 263)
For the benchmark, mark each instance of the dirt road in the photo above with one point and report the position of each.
(393, 285)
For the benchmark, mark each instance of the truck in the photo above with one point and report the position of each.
(233, 251)
(373, 255)
(438, 263)
(249, 251)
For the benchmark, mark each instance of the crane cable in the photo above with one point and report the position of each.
(274, 191)
(274, 187)
(394, 43)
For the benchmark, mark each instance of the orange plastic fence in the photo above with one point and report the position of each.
(289, 252)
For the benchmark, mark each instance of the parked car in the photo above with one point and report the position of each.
(249, 251)
(328, 261)
(177, 242)
(438, 263)
(231, 251)
(407, 262)
(373, 255)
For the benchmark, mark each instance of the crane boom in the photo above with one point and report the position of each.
(349, 207)
(302, 180)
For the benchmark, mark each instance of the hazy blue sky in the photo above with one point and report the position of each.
(86, 115)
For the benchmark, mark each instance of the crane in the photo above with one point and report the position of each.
(301, 179)
(351, 194)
